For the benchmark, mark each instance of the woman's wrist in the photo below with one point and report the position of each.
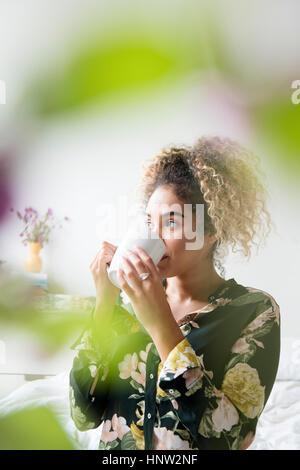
(105, 302)
(101, 322)
(166, 337)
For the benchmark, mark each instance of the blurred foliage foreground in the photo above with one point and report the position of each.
(20, 307)
(35, 427)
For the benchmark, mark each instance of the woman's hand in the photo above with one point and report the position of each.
(105, 289)
(147, 297)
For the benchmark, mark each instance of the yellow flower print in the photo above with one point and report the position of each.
(159, 391)
(138, 436)
(242, 386)
(140, 422)
(181, 357)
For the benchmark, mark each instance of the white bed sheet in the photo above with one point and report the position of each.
(278, 427)
(52, 392)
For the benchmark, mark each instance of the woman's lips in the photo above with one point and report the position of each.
(164, 257)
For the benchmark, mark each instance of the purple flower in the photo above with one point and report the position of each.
(39, 228)
(31, 210)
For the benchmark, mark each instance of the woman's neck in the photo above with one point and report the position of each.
(193, 287)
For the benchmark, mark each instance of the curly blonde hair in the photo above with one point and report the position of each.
(225, 177)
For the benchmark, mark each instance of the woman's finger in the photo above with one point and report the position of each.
(137, 262)
(131, 273)
(147, 260)
(96, 257)
(123, 283)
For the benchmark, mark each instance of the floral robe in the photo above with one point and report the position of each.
(208, 394)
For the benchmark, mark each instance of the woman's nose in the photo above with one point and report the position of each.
(161, 233)
(158, 229)
(157, 232)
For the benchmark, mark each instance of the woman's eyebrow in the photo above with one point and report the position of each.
(169, 214)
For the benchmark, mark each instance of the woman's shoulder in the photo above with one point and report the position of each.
(240, 293)
(265, 302)
(264, 295)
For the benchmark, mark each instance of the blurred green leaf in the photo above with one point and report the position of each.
(277, 122)
(124, 60)
(53, 329)
(33, 429)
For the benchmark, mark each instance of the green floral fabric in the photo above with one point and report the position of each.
(208, 394)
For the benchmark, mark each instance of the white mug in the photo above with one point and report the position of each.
(150, 242)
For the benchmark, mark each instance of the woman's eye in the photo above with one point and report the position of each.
(171, 220)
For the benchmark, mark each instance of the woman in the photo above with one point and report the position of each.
(190, 361)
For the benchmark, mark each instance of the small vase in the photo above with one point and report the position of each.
(33, 263)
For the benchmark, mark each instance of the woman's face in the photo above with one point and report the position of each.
(170, 227)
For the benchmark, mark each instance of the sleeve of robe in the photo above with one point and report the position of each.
(89, 378)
